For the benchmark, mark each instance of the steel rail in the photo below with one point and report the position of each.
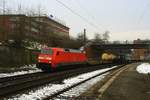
(79, 83)
(13, 86)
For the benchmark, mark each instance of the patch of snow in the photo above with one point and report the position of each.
(33, 45)
(50, 89)
(32, 66)
(75, 92)
(21, 72)
(144, 68)
(84, 76)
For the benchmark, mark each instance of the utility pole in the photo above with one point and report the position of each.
(3, 7)
(84, 36)
(4, 27)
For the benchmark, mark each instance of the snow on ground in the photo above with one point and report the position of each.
(50, 89)
(75, 92)
(32, 66)
(144, 68)
(32, 70)
(33, 45)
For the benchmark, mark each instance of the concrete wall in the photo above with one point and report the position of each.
(15, 57)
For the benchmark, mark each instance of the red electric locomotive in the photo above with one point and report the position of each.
(52, 58)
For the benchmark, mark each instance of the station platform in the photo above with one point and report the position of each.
(128, 85)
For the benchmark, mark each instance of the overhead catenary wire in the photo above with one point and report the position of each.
(83, 8)
(144, 11)
(87, 12)
(75, 13)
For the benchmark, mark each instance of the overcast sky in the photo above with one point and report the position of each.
(125, 19)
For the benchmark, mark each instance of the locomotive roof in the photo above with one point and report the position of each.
(72, 50)
(64, 49)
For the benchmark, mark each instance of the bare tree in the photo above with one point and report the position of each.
(106, 36)
(98, 38)
(81, 39)
(116, 42)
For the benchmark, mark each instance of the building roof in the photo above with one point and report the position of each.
(23, 15)
(56, 22)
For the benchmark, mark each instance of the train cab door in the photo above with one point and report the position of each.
(57, 57)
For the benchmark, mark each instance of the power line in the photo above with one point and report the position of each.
(83, 18)
(144, 11)
(87, 12)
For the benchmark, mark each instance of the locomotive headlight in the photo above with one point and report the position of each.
(40, 58)
(49, 58)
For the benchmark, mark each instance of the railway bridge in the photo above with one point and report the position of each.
(134, 51)
(119, 46)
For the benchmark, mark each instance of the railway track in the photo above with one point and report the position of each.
(54, 95)
(16, 77)
(16, 84)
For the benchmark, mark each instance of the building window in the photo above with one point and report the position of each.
(14, 18)
(34, 30)
(13, 25)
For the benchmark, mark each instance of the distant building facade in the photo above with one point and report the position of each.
(21, 27)
(139, 54)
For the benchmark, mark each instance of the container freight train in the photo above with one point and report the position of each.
(59, 58)
(100, 56)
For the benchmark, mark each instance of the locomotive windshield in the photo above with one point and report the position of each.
(46, 51)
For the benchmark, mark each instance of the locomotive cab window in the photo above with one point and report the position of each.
(57, 53)
(46, 51)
